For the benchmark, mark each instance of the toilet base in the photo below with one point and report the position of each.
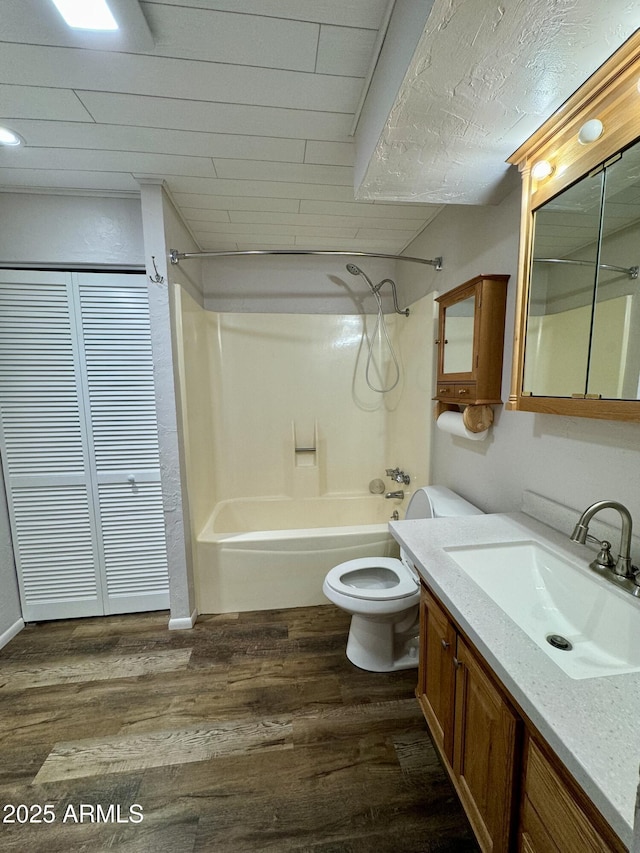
(382, 646)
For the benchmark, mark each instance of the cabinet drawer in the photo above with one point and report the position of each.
(549, 804)
(465, 391)
(460, 392)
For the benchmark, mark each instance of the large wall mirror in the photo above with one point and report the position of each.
(577, 334)
(583, 324)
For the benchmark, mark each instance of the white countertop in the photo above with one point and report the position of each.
(592, 724)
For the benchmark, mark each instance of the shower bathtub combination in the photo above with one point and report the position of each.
(269, 553)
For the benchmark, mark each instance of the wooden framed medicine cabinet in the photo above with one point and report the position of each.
(470, 347)
(577, 341)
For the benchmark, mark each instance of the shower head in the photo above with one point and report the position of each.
(354, 270)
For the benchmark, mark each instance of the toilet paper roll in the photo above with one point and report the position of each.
(452, 423)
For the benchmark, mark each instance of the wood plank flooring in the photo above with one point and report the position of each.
(252, 732)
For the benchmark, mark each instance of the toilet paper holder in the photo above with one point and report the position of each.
(475, 417)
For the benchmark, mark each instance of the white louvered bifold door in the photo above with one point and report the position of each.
(44, 449)
(118, 376)
(78, 436)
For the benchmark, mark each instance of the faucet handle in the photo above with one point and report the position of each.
(604, 560)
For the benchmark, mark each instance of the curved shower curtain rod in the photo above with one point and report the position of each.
(177, 256)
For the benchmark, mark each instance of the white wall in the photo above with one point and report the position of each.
(575, 461)
(70, 229)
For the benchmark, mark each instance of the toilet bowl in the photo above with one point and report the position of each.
(382, 593)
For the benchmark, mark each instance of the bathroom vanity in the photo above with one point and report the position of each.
(541, 761)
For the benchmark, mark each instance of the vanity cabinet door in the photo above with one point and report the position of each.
(556, 817)
(436, 689)
(471, 724)
(484, 759)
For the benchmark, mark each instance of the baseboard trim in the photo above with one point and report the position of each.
(184, 623)
(11, 632)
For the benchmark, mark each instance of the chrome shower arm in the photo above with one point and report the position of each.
(397, 308)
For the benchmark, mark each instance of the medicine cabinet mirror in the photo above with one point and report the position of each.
(458, 335)
(577, 340)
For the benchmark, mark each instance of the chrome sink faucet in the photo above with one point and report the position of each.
(622, 567)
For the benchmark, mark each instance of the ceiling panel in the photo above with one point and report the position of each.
(228, 37)
(271, 189)
(192, 203)
(311, 219)
(177, 78)
(214, 117)
(355, 13)
(70, 135)
(345, 51)
(41, 102)
(107, 161)
(329, 153)
(287, 172)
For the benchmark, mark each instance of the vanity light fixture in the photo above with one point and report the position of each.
(9, 137)
(86, 14)
(541, 170)
(590, 131)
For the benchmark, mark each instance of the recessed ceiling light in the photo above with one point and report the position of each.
(8, 137)
(86, 14)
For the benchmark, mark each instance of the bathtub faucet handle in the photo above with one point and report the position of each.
(398, 476)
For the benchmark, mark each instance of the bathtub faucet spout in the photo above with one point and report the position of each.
(399, 495)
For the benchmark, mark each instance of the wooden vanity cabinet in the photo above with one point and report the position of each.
(472, 725)
(515, 792)
(470, 341)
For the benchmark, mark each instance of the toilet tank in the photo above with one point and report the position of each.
(438, 502)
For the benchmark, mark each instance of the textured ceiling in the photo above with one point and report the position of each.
(246, 109)
(484, 77)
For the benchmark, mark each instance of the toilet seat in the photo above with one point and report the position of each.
(373, 579)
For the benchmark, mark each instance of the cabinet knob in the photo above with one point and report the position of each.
(445, 645)
(463, 391)
(457, 662)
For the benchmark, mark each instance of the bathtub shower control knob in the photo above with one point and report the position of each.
(398, 475)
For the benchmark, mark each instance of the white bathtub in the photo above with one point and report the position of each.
(261, 554)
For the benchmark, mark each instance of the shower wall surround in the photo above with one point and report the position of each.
(257, 385)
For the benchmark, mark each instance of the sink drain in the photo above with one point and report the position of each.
(559, 642)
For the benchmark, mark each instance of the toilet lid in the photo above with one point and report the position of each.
(373, 578)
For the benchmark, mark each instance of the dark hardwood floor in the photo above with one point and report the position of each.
(252, 732)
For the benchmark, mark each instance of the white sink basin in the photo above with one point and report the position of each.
(546, 594)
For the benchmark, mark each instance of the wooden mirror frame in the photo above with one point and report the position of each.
(611, 95)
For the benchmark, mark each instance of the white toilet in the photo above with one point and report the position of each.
(382, 593)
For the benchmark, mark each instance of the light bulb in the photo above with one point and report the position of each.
(542, 169)
(590, 131)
